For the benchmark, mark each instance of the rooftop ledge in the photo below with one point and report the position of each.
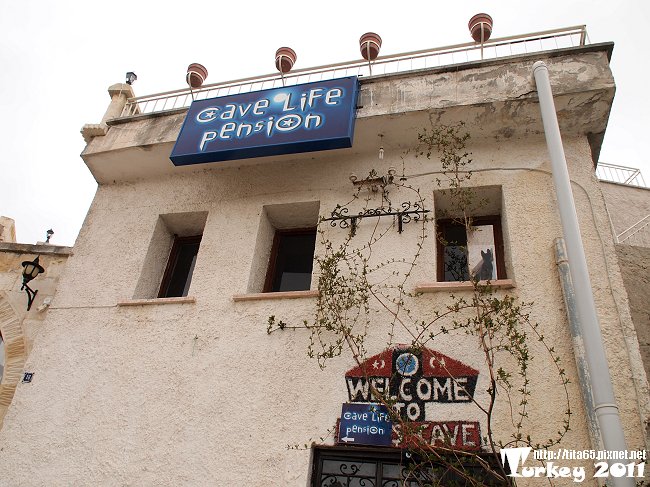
(458, 57)
(41, 249)
(496, 96)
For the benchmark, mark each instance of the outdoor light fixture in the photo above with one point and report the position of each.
(30, 271)
(49, 233)
(130, 77)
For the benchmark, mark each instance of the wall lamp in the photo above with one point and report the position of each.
(130, 77)
(31, 269)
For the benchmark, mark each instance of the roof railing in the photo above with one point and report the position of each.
(620, 174)
(396, 63)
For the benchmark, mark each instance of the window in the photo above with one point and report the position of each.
(478, 254)
(283, 255)
(169, 262)
(291, 260)
(388, 467)
(178, 274)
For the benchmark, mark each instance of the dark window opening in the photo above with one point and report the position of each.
(180, 266)
(475, 255)
(393, 467)
(291, 261)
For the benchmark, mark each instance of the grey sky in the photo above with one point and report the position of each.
(58, 59)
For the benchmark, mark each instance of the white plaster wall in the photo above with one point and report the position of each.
(199, 394)
(196, 392)
(627, 205)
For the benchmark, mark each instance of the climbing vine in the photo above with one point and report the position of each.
(365, 285)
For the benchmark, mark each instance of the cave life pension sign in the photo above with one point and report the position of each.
(424, 387)
(301, 118)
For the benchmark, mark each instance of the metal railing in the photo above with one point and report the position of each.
(397, 63)
(638, 234)
(620, 174)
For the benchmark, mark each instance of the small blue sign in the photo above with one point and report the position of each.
(365, 424)
(302, 118)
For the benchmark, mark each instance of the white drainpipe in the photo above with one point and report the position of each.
(605, 407)
(569, 293)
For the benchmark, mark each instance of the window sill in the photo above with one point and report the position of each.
(278, 295)
(143, 302)
(434, 287)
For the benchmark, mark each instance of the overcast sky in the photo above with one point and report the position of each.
(57, 58)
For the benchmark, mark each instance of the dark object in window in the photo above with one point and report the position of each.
(291, 261)
(356, 466)
(178, 274)
(479, 255)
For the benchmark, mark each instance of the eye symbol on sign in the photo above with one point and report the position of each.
(407, 364)
(288, 122)
(207, 115)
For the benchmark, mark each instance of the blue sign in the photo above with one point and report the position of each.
(365, 424)
(303, 118)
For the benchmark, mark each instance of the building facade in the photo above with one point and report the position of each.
(155, 365)
(19, 326)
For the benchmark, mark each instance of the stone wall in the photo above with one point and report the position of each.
(7, 229)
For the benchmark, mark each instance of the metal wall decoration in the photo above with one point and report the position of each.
(405, 213)
(408, 212)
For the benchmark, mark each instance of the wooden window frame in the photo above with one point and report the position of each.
(275, 248)
(179, 242)
(495, 221)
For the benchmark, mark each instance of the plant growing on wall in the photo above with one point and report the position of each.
(365, 286)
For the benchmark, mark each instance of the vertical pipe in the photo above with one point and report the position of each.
(568, 292)
(601, 383)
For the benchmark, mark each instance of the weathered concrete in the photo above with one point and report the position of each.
(495, 98)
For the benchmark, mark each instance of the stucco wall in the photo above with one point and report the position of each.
(635, 266)
(195, 392)
(198, 393)
(20, 327)
(627, 205)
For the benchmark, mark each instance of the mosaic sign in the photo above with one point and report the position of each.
(302, 118)
(418, 383)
